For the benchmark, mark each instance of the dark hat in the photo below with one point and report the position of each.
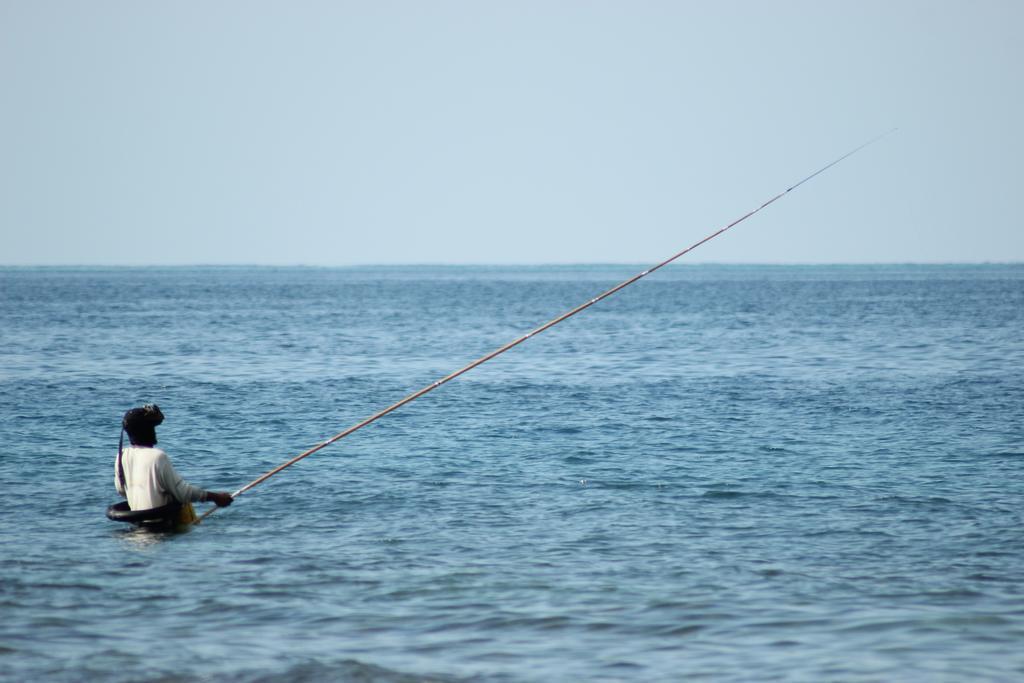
(148, 416)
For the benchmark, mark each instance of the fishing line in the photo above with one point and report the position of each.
(516, 342)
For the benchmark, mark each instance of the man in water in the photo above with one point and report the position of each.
(144, 475)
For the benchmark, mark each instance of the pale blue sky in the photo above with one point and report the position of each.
(336, 133)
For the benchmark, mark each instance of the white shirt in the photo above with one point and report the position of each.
(151, 479)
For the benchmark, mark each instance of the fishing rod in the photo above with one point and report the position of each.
(516, 342)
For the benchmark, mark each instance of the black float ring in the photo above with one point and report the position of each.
(163, 516)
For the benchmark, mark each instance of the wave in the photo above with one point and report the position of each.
(350, 670)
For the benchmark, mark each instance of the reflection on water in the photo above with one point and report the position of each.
(137, 538)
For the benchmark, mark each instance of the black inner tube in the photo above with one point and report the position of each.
(164, 516)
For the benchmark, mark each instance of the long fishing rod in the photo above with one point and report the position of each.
(516, 342)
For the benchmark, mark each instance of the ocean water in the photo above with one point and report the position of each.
(730, 473)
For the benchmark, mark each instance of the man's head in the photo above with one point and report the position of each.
(140, 423)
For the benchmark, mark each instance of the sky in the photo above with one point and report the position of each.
(527, 132)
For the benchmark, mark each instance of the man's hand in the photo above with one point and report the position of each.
(221, 498)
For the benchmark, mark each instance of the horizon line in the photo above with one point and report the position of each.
(484, 264)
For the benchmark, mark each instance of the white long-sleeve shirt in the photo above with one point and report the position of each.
(151, 479)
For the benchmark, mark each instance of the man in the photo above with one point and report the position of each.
(144, 475)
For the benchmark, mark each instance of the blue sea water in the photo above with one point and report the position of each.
(730, 473)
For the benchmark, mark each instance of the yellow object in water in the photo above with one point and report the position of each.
(186, 515)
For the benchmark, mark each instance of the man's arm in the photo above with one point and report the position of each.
(182, 491)
(221, 498)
